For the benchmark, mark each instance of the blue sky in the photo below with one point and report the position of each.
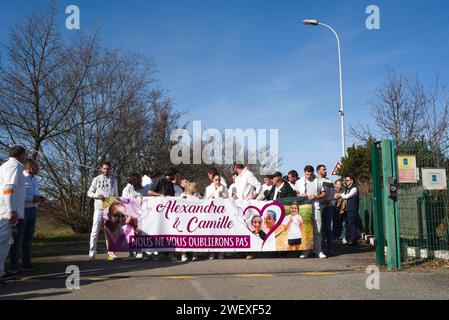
(251, 64)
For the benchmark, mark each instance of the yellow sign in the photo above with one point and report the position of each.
(407, 169)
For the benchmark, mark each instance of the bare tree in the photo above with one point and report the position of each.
(41, 82)
(398, 109)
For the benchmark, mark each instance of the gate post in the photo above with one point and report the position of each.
(379, 235)
(390, 205)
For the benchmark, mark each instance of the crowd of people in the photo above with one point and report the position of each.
(335, 208)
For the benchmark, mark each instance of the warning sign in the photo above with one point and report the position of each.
(337, 166)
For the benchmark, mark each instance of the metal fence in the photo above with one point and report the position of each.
(366, 214)
(423, 223)
(423, 214)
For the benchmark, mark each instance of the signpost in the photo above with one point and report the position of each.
(407, 169)
(434, 179)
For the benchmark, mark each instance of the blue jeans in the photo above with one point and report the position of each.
(351, 217)
(343, 225)
(328, 226)
(25, 233)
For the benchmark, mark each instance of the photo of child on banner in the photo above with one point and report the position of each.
(176, 224)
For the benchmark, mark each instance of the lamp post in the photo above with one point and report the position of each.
(314, 22)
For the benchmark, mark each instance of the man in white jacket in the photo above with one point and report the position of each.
(103, 186)
(12, 199)
(247, 186)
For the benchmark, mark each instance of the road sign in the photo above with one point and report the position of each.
(337, 166)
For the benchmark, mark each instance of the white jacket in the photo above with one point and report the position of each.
(12, 178)
(129, 192)
(247, 185)
(214, 192)
(102, 185)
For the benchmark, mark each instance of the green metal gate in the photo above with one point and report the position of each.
(410, 223)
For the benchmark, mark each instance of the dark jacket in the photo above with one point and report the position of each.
(352, 204)
(285, 192)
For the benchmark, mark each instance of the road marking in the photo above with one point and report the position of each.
(176, 277)
(96, 278)
(253, 275)
(318, 273)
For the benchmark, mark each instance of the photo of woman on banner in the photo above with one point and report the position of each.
(269, 220)
(119, 227)
(256, 224)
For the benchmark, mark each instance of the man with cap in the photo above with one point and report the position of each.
(280, 189)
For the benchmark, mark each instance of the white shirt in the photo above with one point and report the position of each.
(32, 190)
(146, 180)
(232, 189)
(265, 187)
(276, 190)
(130, 192)
(350, 194)
(11, 177)
(294, 231)
(147, 183)
(213, 192)
(106, 186)
(314, 187)
(247, 185)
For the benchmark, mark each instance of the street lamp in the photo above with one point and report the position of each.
(314, 22)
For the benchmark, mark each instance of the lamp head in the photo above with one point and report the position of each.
(310, 22)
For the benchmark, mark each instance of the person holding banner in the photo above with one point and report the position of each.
(190, 192)
(215, 191)
(280, 188)
(102, 187)
(310, 187)
(12, 200)
(164, 185)
(247, 187)
(232, 188)
(266, 187)
(134, 187)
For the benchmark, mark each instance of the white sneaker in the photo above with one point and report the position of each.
(322, 256)
(139, 255)
(344, 241)
(303, 256)
(184, 257)
(194, 258)
(211, 256)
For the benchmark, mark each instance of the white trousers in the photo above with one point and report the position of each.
(96, 227)
(5, 237)
(317, 231)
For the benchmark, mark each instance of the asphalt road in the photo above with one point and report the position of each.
(265, 277)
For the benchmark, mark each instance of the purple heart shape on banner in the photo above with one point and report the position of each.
(261, 211)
